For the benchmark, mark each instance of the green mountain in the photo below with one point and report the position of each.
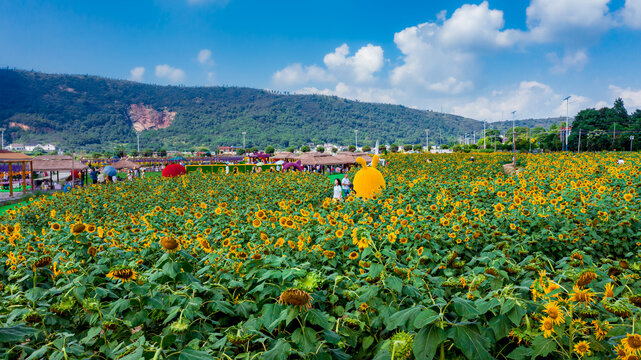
(96, 113)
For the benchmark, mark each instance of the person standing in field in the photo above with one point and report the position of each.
(345, 183)
(338, 190)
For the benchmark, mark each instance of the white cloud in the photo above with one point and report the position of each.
(297, 74)
(567, 20)
(204, 57)
(631, 98)
(136, 73)
(174, 75)
(361, 66)
(575, 60)
(631, 13)
(367, 94)
(531, 99)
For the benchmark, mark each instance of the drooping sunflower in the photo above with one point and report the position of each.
(609, 290)
(78, 228)
(585, 278)
(170, 244)
(582, 348)
(42, 262)
(123, 273)
(296, 297)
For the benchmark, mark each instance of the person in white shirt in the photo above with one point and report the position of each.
(345, 184)
(338, 190)
(620, 161)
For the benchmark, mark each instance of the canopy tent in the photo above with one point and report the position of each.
(11, 158)
(125, 164)
(177, 158)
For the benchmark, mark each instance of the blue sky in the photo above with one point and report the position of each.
(479, 59)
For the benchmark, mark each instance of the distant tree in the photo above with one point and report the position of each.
(240, 151)
(162, 152)
(394, 148)
(407, 147)
(96, 155)
(147, 152)
(252, 149)
(134, 153)
(320, 149)
(334, 150)
(305, 148)
(418, 147)
(367, 148)
(270, 149)
(120, 152)
(290, 149)
(457, 148)
(445, 146)
(382, 148)
(351, 148)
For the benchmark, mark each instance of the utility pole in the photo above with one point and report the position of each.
(244, 133)
(514, 136)
(484, 136)
(2, 129)
(614, 135)
(427, 135)
(474, 137)
(631, 138)
(138, 140)
(579, 149)
(356, 136)
(567, 120)
(529, 133)
(73, 167)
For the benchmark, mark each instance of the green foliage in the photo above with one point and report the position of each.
(351, 148)
(270, 149)
(320, 149)
(92, 113)
(305, 148)
(366, 148)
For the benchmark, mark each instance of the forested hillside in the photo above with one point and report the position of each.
(97, 113)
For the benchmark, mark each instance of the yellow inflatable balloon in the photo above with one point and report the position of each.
(368, 181)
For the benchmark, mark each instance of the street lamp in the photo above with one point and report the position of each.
(73, 166)
(356, 138)
(514, 137)
(3, 129)
(567, 120)
(138, 141)
(244, 133)
(427, 135)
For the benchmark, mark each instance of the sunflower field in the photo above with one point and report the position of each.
(453, 260)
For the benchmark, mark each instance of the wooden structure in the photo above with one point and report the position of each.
(58, 163)
(10, 157)
(125, 164)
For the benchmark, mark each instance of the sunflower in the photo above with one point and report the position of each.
(609, 290)
(42, 262)
(353, 255)
(419, 251)
(256, 223)
(583, 296)
(124, 274)
(296, 297)
(582, 348)
(170, 244)
(547, 326)
(55, 226)
(628, 197)
(78, 228)
(91, 228)
(329, 254)
(632, 344)
(339, 233)
(585, 278)
(601, 329)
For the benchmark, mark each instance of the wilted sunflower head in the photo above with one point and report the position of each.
(295, 297)
(123, 273)
(42, 261)
(401, 345)
(169, 243)
(78, 228)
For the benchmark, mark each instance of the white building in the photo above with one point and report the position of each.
(16, 147)
(33, 147)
